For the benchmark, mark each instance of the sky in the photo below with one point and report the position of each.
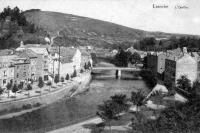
(138, 14)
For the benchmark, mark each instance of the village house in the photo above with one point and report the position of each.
(43, 58)
(6, 67)
(70, 60)
(176, 66)
(22, 70)
(156, 63)
(34, 61)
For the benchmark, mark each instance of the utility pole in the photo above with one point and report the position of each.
(59, 63)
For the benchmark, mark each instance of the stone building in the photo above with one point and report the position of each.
(6, 69)
(156, 63)
(175, 67)
(22, 70)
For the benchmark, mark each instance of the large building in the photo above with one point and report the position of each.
(156, 63)
(177, 66)
(6, 67)
(22, 70)
(43, 58)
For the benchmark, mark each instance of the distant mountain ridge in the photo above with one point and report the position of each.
(77, 30)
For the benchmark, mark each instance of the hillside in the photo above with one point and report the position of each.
(76, 30)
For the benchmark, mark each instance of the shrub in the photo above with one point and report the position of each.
(37, 104)
(40, 82)
(56, 79)
(62, 79)
(27, 106)
(67, 77)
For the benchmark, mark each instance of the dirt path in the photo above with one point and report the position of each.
(79, 127)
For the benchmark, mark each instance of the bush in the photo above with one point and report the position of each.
(56, 79)
(149, 77)
(27, 106)
(67, 77)
(40, 82)
(81, 71)
(37, 104)
(62, 79)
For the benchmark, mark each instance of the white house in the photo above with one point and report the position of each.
(70, 60)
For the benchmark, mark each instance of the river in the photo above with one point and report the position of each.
(78, 108)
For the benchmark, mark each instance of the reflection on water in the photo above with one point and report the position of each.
(68, 111)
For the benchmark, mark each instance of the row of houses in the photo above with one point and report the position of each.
(31, 61)
(172, 64)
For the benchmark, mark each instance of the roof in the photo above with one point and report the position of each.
(66, 53)
(6, 52)
(36, 48)
(27, 54)
(7, 58)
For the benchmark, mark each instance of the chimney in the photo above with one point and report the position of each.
(184, 50)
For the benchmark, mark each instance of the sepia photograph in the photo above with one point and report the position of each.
(99, 66)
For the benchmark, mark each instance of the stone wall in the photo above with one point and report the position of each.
(49, 97)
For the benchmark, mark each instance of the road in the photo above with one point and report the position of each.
(79, 127)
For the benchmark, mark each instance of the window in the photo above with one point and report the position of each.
(4, 81)
(4, 73)
(24, 74)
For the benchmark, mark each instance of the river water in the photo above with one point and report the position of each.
(72, 110)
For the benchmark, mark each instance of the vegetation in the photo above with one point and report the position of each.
(18, 28)
(135, 58)
(74, 74)
(62, 79)
(20, 86)
(56, 79)
(67, 77)
(107, 112)
(1, 91)
(121, 58)
(149, 77)
(15, 89)
(49, 84)
(28, 88)
(184, 83)
(9, 87)
(137, 98)
(40, 84)
(121, 101)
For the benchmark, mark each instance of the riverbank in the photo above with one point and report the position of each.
(77, 85)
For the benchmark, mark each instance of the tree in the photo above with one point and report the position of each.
(9, 86)
(137, 98)
(89, 64)
(20, 86)
(28, 88)
(15, 89)
(107, 112)
(56, 79)
(74, 74)
(135, 58)
(149, 77)
(62, 79)
(158, 98)
(1, 91)
(40, 84)
(121, 58)
(49, 84)
(121, 101)
(67, 77)
(184, 83)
